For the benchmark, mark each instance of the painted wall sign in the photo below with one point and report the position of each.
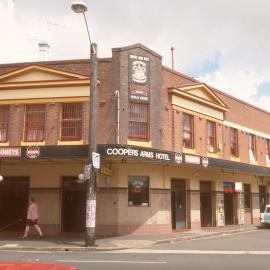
(10, 151)
(139, 78)
(33, 151)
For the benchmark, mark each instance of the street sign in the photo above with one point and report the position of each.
(238, 186)
(96, 160)
(87, 171)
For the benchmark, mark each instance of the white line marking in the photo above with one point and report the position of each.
(10, 245)
(203, 252)
(140, 262)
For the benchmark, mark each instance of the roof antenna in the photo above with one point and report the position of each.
(172, 51)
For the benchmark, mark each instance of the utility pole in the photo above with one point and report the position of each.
(92, 182)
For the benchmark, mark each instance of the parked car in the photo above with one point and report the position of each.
(265, 216)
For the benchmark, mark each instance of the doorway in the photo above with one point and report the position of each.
(178, 203)
(228, 208)
(14, 192)
(206, 204)
(73, 205)
(262, 198)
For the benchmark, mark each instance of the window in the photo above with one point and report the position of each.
(138, 191)
(234, 142)
(246, 196)
(267, 150)
(252, 147)
(71, 122)
(138, 121)
(188, 129)
(211, 137)
(34, 123)
(4, 113)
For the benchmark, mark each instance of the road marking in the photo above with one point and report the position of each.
(92, 261)
(202, 252)
(10, 245)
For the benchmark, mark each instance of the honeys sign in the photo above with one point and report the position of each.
(10, 151)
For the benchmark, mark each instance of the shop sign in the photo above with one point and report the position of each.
(33, 151)
(140, 153)
(10, 151)
(205, 162)
(192, 159)
(139, 78)
(238, 186)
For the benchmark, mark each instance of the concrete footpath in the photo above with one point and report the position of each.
(114, 243)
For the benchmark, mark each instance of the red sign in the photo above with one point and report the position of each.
(10, 151)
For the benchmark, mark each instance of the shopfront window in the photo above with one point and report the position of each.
(234, 142)
(71, 128)
(34, 123)
(246, 196)
(138, 191)
(211, 137)
(188, 129)
(252, 147)
(4, 115)
(138, 121)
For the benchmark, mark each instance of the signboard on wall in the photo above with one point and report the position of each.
(10, 151)
(139, 78)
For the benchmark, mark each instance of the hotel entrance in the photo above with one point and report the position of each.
(229, 204)
(14, 192)
(178, 203)
(206, 203)
(73, 205)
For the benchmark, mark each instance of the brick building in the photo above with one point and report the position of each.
(172, 147)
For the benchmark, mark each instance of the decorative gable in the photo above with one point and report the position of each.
(38, 83)
(199, 98)
(38, 74)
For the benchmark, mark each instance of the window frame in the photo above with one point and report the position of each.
(5, 109)
(189, 131)
(142, 136)
(144, 177)
(267, 149)
(26, 129)
(252, 147)
(234, 144)
(70, 120)
(212, 136)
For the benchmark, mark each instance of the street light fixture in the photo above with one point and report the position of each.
(80, 7)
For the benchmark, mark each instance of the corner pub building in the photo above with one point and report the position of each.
(172, 147)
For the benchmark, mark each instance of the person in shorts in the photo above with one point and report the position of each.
(32, 218)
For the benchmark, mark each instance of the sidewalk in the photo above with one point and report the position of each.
(117, 242)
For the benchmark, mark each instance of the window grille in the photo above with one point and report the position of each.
(138, 121)
(71, 128)
(34, 123)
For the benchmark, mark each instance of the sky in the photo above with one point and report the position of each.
(224, 43)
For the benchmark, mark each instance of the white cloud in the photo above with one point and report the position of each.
(237, 30)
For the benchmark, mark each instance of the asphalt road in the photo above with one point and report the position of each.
(239, 251)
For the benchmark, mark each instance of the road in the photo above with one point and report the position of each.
(238, 251)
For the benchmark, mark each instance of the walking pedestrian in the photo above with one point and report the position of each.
(32, 218)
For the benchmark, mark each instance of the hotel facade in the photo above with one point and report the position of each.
(174, 151)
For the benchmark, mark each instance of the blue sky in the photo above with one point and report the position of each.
(225, 43)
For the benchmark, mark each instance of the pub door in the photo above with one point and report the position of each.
(206, 204)
(73, 205)
(14, 192)
(178, 203)
(262, 198)
(229, 208)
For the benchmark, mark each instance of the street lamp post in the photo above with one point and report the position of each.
(80, 7)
